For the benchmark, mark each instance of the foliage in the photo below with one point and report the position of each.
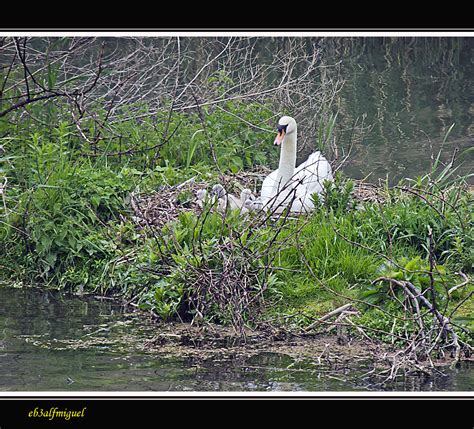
(67, 224)
(416, 271)
(208, 138)
(337, 195)
(410, 216)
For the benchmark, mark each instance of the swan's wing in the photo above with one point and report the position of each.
(310, 162)
(314, 171)
(268, 187)
(307, 180)
(310, 176)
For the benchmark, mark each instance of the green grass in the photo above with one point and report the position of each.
(68, 226)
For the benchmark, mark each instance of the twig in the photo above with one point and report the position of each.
(444, 322)
(466, 281)
(335, 312)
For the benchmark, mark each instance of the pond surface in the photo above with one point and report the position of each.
(410, 92)
(55, 342)
(403, 100)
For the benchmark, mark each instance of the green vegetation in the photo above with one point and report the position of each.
(66, 220)
(66, 223)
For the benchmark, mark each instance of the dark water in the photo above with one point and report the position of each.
(409, 91)
(54, 342)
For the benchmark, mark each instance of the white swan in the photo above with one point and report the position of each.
(289, 184)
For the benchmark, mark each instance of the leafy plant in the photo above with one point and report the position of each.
(336, 196)
(416, 271)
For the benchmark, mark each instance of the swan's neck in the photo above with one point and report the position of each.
(286, 169)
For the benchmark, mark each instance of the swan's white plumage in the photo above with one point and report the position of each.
(288, 183)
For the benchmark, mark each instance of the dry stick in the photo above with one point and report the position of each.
(351, 144)
(270, 243)
(244, 120)
(203, 123)
(7, 75)
(170, 113)
(132, 150)
(466, 281)
(203, 68)
(337, 324)
(432, 266)
(51, 93)
(368, 328)
(418, 319)
(335, 312)
(29, 101)
(362, 330)
(22, 56)
(444, 321)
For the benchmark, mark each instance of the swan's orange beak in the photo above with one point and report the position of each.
(279, 137)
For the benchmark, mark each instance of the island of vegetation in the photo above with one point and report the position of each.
(100, 195)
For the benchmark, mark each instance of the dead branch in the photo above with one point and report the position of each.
(167, 74)
(344, 308)
(466, 281)
(443, 321)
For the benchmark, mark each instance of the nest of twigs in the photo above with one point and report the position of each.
(158, 208)
(163, 206)
(224, 285)
(367, 192)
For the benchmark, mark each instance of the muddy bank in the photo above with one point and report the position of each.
(375, 365)
(185, 339)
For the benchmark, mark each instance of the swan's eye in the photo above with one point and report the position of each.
(281, 128)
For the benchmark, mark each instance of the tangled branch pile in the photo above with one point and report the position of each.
(439, 335)
(231, 288)
(164, 74)
(164, 206)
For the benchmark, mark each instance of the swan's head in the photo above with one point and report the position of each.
(246, 194)
(219, 191)
(286, 125)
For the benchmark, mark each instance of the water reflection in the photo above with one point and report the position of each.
(51, 341)
(410, 91)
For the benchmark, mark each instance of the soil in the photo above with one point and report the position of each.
(217, 344)
(189, 341)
